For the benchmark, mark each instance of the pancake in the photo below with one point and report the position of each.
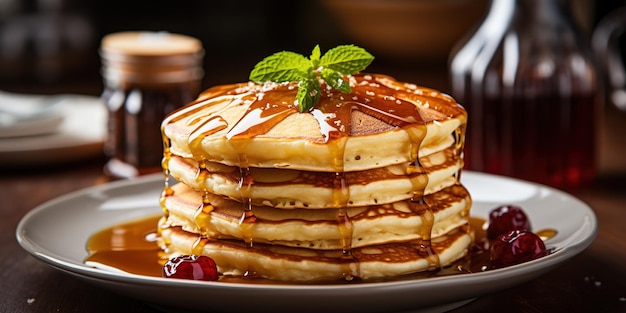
(287, 188)
(308, 265)
(382, 122)
(317, 229)
(364, 184)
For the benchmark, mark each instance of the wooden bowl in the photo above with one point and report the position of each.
(415, 29)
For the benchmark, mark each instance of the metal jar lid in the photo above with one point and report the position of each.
(151, 58)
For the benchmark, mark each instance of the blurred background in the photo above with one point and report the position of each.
(47, 43)
(51, 46)
(51, 43)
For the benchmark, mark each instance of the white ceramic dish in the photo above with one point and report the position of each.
(56, 233)
(80, 134)
(28, 115)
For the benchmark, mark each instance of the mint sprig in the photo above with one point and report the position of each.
(287, 66)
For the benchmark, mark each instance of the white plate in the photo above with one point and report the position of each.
(80, 135)
(28, 115)
(56, 233)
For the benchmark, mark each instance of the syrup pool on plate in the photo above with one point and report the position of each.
(132, 247)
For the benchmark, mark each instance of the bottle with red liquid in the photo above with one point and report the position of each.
(532, 90)
(146, 76)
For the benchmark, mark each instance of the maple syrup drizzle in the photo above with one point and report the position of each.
(341, 196)
(198, 245)
(259, 118)
(418, 204)
(167, 191)
(165, 165)
(202, 216)
(247, 221)
(206, 128)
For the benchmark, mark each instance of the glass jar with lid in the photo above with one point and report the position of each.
(146, 76)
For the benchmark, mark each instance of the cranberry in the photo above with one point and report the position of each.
(516, 246)
(506, 218)
(191, 267)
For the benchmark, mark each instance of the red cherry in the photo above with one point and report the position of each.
(191, 267)
(516, 246)
(506, 218)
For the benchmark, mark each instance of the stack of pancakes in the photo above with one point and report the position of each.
(365, 185)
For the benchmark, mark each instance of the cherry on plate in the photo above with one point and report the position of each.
(191, 267)
(515, 247)
(506, 218)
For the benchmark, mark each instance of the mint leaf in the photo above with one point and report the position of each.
(346, 59)
(281, 67)
(315, 57)
(308, 94)
(289, 66)
(335, 80)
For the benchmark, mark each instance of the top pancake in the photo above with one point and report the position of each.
(250, 125)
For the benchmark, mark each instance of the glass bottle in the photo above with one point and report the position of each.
(529, 82)
(609, 45)
(146, 76)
